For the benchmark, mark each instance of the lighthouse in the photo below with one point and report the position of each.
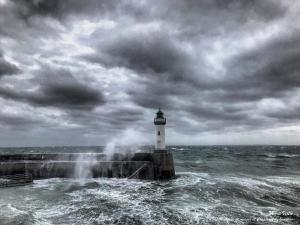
(160, 122)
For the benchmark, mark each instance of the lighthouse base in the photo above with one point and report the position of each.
(162, 161)
(161, 151)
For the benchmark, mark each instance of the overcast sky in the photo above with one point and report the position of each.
(76, 72)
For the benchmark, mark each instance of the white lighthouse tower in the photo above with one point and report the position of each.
(160, 122)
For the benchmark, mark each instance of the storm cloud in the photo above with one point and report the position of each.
(57, 88)
(88, 70)
(7, 68)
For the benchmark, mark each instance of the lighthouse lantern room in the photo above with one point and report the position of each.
(160, 122)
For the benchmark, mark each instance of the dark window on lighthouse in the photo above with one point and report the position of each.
(158, 133)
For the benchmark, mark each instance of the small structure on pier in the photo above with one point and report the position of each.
(15, 180)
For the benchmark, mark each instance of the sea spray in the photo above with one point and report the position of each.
(83, 166)
(126, 143)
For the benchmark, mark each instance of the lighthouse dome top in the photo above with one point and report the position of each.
(159, 114)
(160, 119)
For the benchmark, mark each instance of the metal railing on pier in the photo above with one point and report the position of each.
(137, 172)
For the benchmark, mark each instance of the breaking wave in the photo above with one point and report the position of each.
(281, 155)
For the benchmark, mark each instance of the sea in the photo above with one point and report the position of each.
(218, 185)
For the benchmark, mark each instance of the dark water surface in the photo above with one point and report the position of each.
(214, 185)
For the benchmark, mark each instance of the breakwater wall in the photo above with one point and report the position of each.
(151, 166)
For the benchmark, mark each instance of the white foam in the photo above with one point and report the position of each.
(244, 181)
(288, 155)
(291, 179)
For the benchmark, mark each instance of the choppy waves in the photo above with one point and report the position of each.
(213, 186)
(192, 198)
(242, 200)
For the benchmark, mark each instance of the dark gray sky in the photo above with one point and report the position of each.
(76, 72)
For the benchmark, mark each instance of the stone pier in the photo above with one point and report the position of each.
(151, 166)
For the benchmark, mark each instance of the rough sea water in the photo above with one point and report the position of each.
(214, 185)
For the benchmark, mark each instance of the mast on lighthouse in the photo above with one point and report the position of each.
(160, 122)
